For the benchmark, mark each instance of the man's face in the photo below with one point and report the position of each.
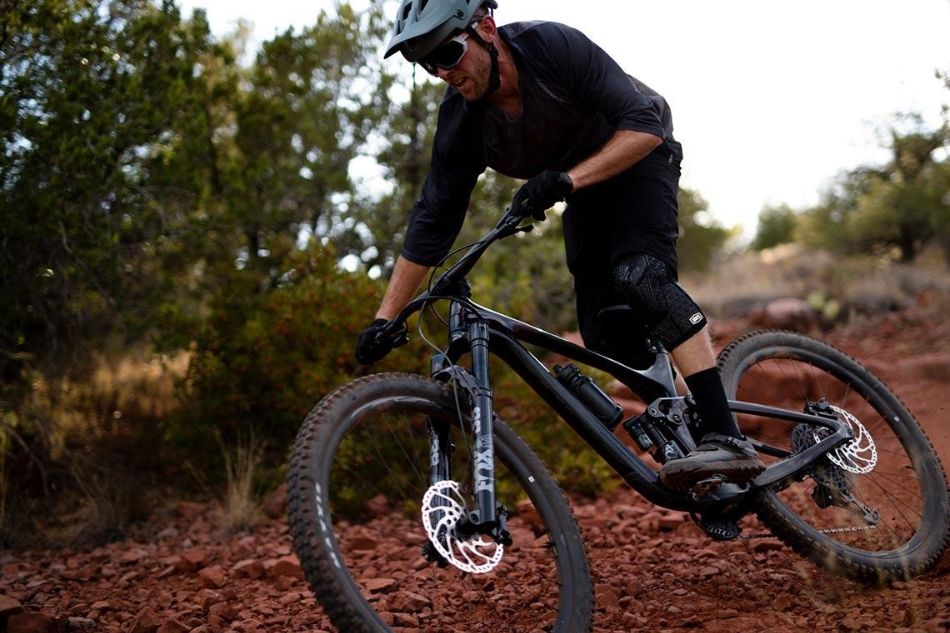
(471, 75)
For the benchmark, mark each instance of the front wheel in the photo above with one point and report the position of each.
(875, 509)
(358, 475)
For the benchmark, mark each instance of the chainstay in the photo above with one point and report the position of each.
(825, 531)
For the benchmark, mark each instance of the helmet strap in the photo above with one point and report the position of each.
(494, 78)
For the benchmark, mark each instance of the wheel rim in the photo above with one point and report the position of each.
(881, 511)
(375, 485)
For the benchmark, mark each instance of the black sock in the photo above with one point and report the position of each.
(711, 402)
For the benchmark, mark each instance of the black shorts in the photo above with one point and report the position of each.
(633, 212)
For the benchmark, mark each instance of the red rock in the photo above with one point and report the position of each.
(275, 504)
(608, 599)
(80, 624)
(8, 607)
(173, 626)
(212, 577)
(249, 626)
(935, 366)
(363, 543)
(406, 619)
(378, 584)
(629, 621)
(224, 611)
(146, 622)
(287, 566)
(31, 623)
(209, 597)
(412, 602)
(250, 568)
(101, 605)
(134, 555)
(191, 559)
(286, 583)
(785, 314)
(671, 521)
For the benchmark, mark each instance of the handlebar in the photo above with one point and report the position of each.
(449, 283)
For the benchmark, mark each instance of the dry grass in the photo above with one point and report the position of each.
(859, 285)
(116, 393)
(91, 440)
(240, 507)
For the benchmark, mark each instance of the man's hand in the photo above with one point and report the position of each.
(371, 347)
(538, 194)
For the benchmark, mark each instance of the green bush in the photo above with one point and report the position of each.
(262, 362)
(574, 464)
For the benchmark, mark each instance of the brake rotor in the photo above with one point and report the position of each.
(442, 509)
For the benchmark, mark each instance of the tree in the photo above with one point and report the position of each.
(776, 226)
(701, 237)
(405, 134)
(901, 205)
(89, 89)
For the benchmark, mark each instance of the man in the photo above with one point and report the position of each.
(541, 102)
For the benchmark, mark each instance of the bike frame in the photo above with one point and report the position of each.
(479, 331)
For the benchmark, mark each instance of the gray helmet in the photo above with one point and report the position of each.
(421, 25)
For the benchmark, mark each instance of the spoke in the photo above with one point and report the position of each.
(847, 392)
(410, 457)
(896, 501)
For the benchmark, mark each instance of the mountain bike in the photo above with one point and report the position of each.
(413, 506)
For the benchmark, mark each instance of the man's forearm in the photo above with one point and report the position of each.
(403, 285)
(622, 151)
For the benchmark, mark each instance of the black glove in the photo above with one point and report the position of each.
(538, 194)
(371, 346)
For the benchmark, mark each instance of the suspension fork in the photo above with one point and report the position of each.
(484, 517)
(440, 432)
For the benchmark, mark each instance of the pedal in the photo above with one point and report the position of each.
(720, 529)
(706, 486)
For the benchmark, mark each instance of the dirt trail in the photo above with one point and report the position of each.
(652, 568)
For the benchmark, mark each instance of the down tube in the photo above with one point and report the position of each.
(613, 451)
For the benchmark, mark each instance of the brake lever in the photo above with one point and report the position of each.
(395, 338)
(402, 338)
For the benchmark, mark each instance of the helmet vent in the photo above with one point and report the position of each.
(422, 5)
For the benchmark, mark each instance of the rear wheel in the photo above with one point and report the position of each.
(359, 473)
(875, 509)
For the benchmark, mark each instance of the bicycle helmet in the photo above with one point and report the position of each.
(421, 25)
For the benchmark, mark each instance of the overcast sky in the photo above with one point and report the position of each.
(770, 98)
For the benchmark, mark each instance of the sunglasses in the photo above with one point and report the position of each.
(447, 55)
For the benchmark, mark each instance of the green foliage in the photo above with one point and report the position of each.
(701, 237)
(574, 464)
(902, 205)
(262, 361)
(405, 132)
(79, 86)
(776, 226)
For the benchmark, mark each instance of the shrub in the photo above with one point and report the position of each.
(262, 362)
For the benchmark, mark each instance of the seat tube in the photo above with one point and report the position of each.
(484, 457)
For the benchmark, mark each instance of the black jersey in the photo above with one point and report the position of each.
(574, 98)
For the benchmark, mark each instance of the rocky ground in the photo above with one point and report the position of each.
(653, 568)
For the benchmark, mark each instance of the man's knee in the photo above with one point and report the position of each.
(647, 286)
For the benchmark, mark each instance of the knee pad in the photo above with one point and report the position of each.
(646, 285)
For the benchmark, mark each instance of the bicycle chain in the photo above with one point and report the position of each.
(825, 531)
